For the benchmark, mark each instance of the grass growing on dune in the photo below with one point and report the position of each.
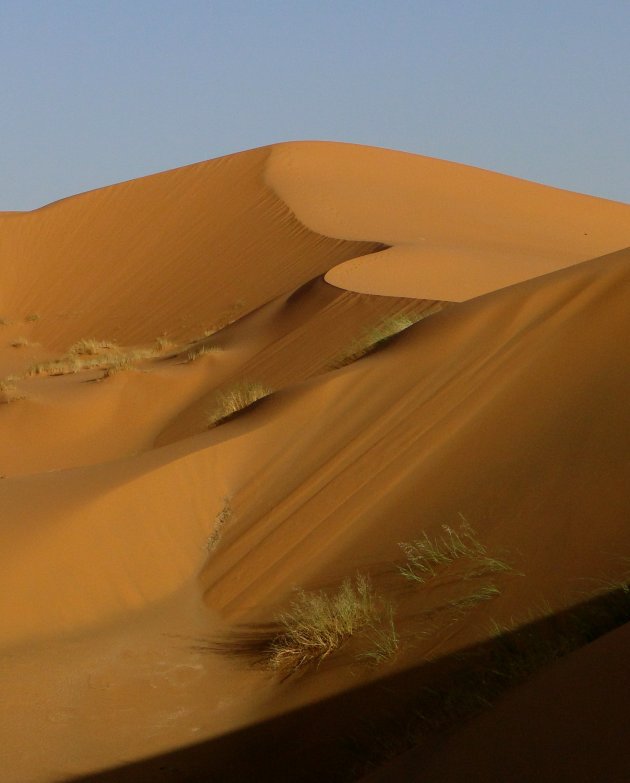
(317, 624)
(378, 335)
(9, 392)
(92, 347)
(201, 350)
(91, 354)
(236, 399)
(426, 555)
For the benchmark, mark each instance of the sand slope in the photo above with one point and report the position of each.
(509, 408)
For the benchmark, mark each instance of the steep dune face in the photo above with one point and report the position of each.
(456, 232)
(129, 529)
(510, 409)
(171, 252)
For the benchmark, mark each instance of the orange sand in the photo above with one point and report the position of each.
(509, 407)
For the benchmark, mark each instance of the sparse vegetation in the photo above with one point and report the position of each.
(425, 555)
(235, 399)
(32, 317)
(162, 344)
(19, 342)
(91, 354)
(318, 624)
(220, 521)
(91, 347)
(201, 350)
(377, 336)
(383, 639)
(9, 392)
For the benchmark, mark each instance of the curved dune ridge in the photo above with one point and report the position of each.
(431, 341)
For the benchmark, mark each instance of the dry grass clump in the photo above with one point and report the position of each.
(236, 399)
(373, 338)
(201, 350)
(426, 555)
(32, 317)
(318, 624)
(19, 342)
(91, 347)
(220, 521)
(9, 392)
(376, 337)
(90, 354)
(162, 344)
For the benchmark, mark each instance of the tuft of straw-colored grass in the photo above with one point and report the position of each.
(163, 343)
(383, 639)
(92, 347)
(9, 392)
(32, 317)
(201, 350)
(377, 336)
(426, 555)
(220, 521)
(318, 624)
(484, 593)
(19, 342)
(236, 399)
(90, 354)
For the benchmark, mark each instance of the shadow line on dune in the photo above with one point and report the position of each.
(344, 736)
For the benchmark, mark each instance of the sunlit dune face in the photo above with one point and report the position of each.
(456, 232)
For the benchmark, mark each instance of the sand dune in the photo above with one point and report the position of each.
(130, 528)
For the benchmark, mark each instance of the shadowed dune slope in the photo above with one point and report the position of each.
(574, 714)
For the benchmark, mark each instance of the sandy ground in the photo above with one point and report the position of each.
(130, 531)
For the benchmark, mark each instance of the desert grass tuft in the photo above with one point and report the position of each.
(317, 624)
(92, 347)
(383, 640)
(377, 336)
(9, 392)
(163, 343)
(201, 350)
(426, 555)
(220, 521)
(32, 317)
(235, 399)
(20, 342)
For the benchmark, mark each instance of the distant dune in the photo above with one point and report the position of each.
(264, 372)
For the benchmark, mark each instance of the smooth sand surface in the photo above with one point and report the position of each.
(509, 408)
(455, 231)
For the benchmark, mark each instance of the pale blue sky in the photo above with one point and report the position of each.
(98, 91)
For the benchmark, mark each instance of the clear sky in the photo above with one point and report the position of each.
(98, 91)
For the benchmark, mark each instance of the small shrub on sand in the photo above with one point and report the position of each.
(317, 624)
(425, 555)
(90, 354)
(91, 347)
(220, 521)
(236, 399)
(19, 342)
(32, 317)
(376, 337)
(201, 350)
(383, 639)
(162, 344)
(9, 392)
